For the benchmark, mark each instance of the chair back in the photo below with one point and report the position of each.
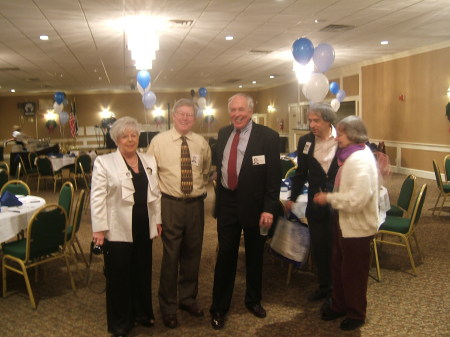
(418, 205)
(16, 187)
(46, 232)
(18, 171)
(437, 173)
(66, 197)
(3, 177)
(447, 168)
(406, 192)
(86, 182)
(76, 222)
(32, 159)
(286, 165)
(86, 161)
(44, 166)
(290, 173)
(4, 165)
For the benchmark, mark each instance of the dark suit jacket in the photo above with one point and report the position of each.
(309, 170)
(258, 187)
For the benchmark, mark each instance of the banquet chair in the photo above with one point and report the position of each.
(45, 172)
(74, 226)
(444, 189)
(290, 173)
(3, 177)
(75, 172)
(17, 187)
(404, 197)
(45, 241)
(403, 228)
(88, 187)
(4, 165)
(447, 168)
(26, 170)
(65, 199)
(286, 165)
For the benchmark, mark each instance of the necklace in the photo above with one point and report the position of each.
(135, 164)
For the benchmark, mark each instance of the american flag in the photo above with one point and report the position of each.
(73, 122)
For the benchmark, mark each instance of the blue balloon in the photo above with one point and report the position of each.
(302, 50)
(202, 92)
(334, 88)
(143, 78)
(59, 97)
(149, 99)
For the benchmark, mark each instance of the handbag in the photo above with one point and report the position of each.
(291, 240)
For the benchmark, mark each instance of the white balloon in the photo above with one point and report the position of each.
(57, 108)
(201, 102)
(317, 87)
(335, 104)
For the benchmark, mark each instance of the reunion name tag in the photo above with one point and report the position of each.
(259, 160)
(306, 148)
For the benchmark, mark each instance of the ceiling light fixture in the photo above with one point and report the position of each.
(385, 42)
(13, 90)
(254, 82)
(43, 37)
(229, 38)
(271, 76)
(303, 72)
(240, 86)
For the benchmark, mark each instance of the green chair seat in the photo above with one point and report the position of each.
(395, 211)
(446, 188)
(396, 224)
(16, 248)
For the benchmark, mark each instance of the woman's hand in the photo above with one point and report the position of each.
(321, 198)
(98, 238)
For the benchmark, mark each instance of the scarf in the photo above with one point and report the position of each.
(342, 155)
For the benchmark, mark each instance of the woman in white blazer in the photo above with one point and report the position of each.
(355, 198)
(126, 216)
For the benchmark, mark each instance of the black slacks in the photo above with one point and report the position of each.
(229, 235)
(128, 269)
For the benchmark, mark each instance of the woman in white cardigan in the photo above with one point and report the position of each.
(355, 199)
(126, 216)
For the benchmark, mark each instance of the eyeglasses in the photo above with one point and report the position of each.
(184, 114)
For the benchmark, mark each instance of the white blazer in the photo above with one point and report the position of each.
(112, 197)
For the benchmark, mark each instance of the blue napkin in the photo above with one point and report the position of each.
(9, 199)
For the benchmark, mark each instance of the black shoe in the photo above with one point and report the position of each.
(319, 295)
(329, 314)
(193, 309)
(146, 322)
(351, 324)
(257, 310)
(170, 320)
(217, 321)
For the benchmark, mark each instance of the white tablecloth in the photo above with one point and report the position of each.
(59, 163)
(15, 219)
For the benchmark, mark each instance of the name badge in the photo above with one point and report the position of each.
(195, 159)
(259, 160)
(306, 148)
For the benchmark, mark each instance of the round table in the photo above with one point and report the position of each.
(14, 219)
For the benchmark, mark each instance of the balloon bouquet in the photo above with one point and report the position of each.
(148, 96)
(316, 88)
(58, 106)
(201, 103)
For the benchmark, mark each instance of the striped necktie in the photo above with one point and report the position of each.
(186, 168)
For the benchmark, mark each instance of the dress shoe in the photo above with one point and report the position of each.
(193, 309)
(170, 320)
(257, 310)
(351, 324)
(329, 314)
(217, 321)
(149, 322)
(319, 295)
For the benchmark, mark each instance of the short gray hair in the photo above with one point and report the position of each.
(184, 102)
(325, 111)
(250, 103)
(122, 124)
(354, 128)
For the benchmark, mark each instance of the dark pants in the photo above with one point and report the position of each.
(229, 235)
(351, 258)
(321, 247)
(128, 283)
(182, 237)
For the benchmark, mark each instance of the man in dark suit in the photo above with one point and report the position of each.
(317, 165)
(248, 188)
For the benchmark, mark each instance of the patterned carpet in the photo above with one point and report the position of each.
(401, 305)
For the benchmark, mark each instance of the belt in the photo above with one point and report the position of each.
(186, 199)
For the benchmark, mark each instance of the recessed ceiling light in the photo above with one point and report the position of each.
(272, 76)
(254, 82)
(13, 90)
(317, 21)
(240, 85)
(229, 37)
(44, 37)
(384, 42)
